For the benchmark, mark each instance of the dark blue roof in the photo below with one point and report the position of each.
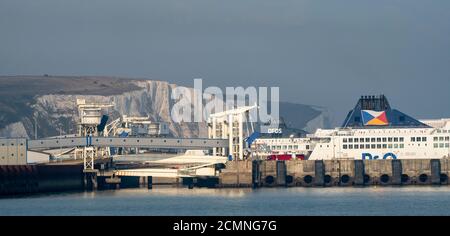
(395, 118)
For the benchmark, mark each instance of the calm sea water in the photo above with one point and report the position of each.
(272, 202)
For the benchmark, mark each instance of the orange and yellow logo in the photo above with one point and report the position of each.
(377, 118)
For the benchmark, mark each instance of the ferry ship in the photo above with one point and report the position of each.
(372, 130)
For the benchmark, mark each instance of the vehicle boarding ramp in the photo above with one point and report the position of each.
(194, 166)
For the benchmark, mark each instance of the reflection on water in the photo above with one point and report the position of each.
(266, 201)
(172, 192)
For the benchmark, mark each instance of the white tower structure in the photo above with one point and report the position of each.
(229, 125)
(90, 115)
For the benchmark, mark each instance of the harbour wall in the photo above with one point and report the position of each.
(26, 179)
(328, 173)
(41, 178)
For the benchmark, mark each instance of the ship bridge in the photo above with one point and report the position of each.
(376, 112)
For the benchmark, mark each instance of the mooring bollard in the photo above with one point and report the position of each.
(149, 182)
(397, 171)
(319, 168)
(256, 174)
(435, 171)
(359, 172)
(189, 181)
(90, 180)
(281, 173)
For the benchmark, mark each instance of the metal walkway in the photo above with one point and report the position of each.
(191, 143)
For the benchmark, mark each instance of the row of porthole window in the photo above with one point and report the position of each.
(362, 140)
(441, 145)
(12, 155)
(418, 139)
(373, 146)
(12, 144)
(281, 140)
(443, 131)
(284, 147)
(442, 138)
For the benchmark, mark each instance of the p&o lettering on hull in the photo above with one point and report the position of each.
(368, 156)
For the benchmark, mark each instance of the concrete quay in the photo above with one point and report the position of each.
(328, 173)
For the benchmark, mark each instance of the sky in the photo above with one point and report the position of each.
(319, 52)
